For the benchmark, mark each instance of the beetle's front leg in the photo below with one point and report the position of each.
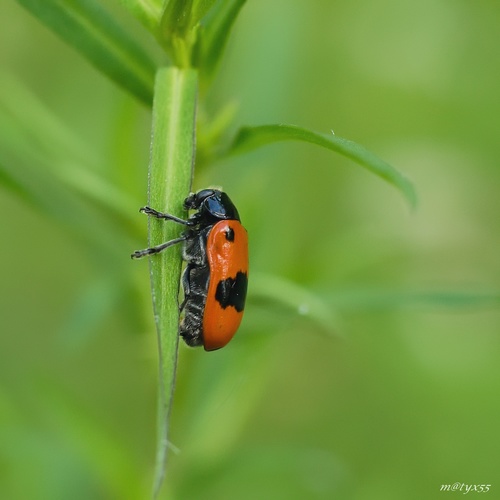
(160, 215)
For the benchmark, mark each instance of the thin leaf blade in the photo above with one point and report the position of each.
(53, 199)
(374, 299)
(181, 16)
(216, 28)
(99, 38)
(34, 134)
(250, 138)
(148, 12)
(200, 8)
(176, 18)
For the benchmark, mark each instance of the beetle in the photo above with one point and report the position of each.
(215, 280)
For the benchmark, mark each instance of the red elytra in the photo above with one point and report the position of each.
(228, 263)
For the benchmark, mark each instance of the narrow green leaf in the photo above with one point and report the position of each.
(97, 36)
(181, 16)
(21, 108)
(29, 171)
(179, 28)
(148, 12)
(298, 300)
(11, 183)
(170, 175)
(200, 9)
(176, 18)
(382, 299)
(53, 199)
(249, 138)
(216, 28)
(177, 34)
(125, 154)
(212, 132)
(38, 137)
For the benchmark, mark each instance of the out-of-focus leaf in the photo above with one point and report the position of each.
(227, 398)
(181, 16)
(179, 28)
(125, 153)
(148, 12)
(38, 137)
(379, 299)
(302, 302)
(54, 200)
(107, 458)
(9, 182)
(23, 113)
(200, 8)
(249, 138)
(292, 471)
(91, 30)
(211, 133)
(215, 31)
(91, 307)
(176, 18)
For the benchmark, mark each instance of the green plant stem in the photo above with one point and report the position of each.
(170, 176)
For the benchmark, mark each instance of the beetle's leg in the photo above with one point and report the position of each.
(159, 248)
(160, 215)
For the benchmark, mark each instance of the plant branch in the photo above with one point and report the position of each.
(170, 176)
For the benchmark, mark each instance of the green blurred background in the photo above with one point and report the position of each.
(402, 400)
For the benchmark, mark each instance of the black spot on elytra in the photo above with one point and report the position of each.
(229, 234)
(232, 292)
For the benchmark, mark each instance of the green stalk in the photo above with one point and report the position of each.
(170, 176)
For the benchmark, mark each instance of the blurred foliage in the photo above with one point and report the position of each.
(404, 402)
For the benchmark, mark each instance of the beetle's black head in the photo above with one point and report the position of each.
(212, 205)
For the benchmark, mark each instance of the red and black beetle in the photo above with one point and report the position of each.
(216, 276)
